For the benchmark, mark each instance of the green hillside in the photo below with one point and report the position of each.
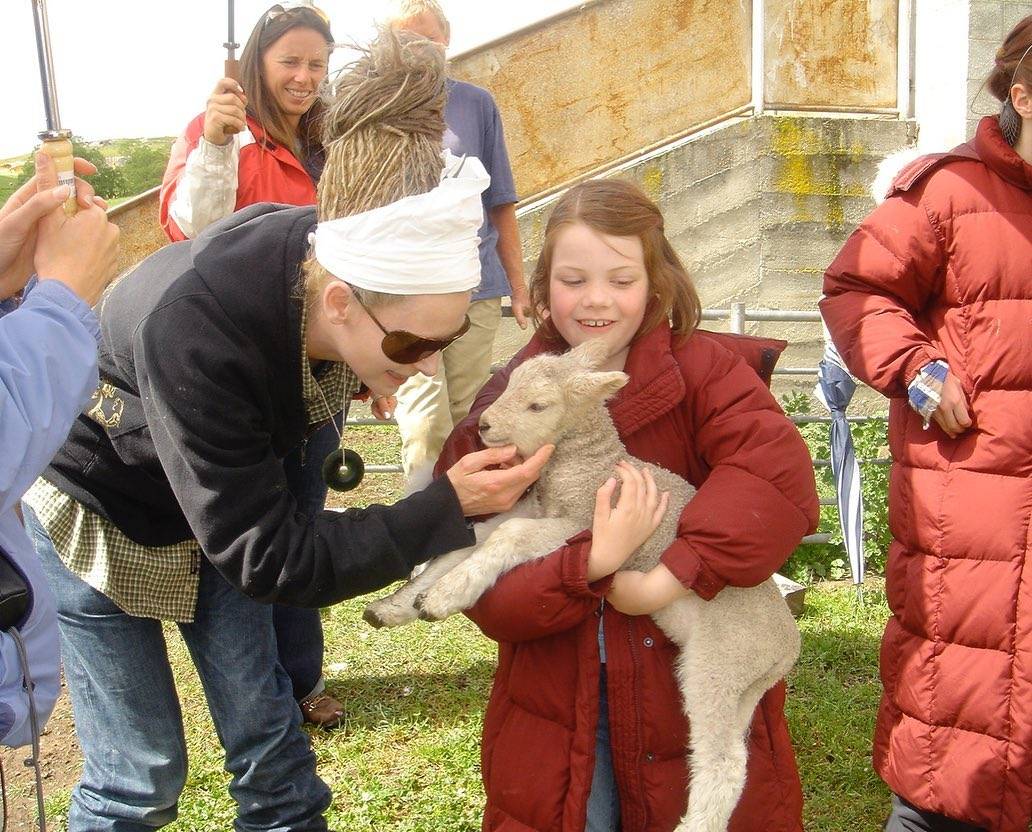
(125, 167)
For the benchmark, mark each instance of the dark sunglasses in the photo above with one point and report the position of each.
(403, 347)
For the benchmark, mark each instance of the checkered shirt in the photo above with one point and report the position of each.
(160, 581)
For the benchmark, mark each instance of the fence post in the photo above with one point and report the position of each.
(737, 319)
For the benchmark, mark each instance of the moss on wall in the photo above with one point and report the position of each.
(810, 163)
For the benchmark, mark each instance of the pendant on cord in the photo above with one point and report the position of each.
(342, 470)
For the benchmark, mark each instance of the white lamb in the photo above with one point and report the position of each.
(733, 648)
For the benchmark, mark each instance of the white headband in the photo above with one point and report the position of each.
(420, 245)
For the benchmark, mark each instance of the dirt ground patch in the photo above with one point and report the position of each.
(61, 762)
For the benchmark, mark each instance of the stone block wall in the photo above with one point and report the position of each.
(757, 209)
(988, 24)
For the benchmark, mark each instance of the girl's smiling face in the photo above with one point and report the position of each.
(598, 288)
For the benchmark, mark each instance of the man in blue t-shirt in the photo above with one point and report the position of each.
(428, 408)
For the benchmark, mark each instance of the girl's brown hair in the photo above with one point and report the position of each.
(260, 104)
(1006, 70)
(621, 209)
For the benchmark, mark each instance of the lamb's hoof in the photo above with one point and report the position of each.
(384, 613)
(427, 609)
(370, 616)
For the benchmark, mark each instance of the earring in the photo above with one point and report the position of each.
(1010, 123)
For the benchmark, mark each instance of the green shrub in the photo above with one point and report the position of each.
(142, 167)
(828, 561)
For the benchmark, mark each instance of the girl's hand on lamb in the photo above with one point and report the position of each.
(642, 593)
(618, 532)
(482, 491)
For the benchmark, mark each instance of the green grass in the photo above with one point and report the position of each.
(407, 758)
(832, 703)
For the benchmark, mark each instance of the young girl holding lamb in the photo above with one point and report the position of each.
(585, 729)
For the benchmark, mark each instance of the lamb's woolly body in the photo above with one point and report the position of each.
(733, 648)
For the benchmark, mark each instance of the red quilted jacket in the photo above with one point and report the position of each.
(943, 270)
(700, 410)
(267, 172)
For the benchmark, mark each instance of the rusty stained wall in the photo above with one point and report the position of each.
(141, 233)
(831, 53)
(612, 78)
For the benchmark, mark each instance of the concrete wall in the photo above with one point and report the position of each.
(616, 77)
(603, 82)
(758, 208)
(941, 72)
(141, 234)
(990, 21)
(831, 54)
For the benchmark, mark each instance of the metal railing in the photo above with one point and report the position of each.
(737, 315)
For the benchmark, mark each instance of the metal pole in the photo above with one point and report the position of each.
(758, 58)
(906, 48)
(232, 68)
(46, 65)
(738, 318)
(56, 142)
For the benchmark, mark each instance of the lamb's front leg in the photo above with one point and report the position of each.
(399, 607)
(514, 542)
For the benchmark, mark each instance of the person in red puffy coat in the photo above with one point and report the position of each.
(584, 729)
(929, 302)
(258, 138)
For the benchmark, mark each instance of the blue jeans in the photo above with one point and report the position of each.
(299, 633)
(128, 719)
(604, 799)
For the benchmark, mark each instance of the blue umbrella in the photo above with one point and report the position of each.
(835, 388)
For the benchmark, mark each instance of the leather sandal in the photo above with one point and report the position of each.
(322, 710)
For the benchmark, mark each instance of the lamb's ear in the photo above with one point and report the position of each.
(590, 355)
(596, 386)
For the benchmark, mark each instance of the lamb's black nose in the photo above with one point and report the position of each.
(485, 426)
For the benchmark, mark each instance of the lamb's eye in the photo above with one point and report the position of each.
(537, 407)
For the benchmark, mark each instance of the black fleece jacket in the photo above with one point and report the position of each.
(200, 400)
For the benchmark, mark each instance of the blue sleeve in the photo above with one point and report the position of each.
(502, 190)
(48, 371)
(42, 647)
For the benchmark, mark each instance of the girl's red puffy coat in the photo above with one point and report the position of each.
(943, 270)
(700, 410)
(267, 172)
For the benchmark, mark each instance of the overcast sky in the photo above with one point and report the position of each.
(145, 67)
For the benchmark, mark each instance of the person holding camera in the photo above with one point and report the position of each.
(48, 369)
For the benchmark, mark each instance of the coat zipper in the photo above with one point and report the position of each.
(636, 666)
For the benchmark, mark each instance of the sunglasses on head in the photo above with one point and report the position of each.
(293, 8)
(403, 347)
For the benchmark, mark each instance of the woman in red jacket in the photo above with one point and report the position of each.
(929, 302)
(584, 729)
(258, 141)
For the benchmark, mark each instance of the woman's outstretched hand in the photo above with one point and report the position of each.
(482, 488)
